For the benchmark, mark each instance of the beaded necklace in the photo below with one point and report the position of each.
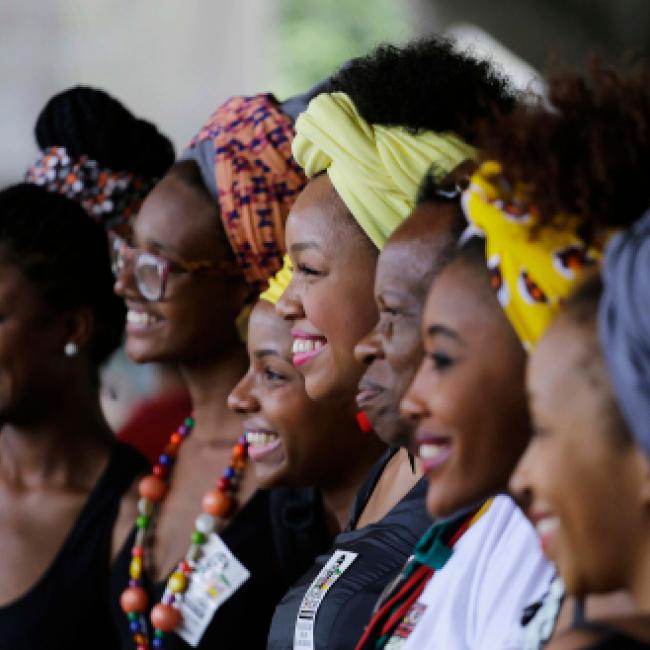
(218, 505)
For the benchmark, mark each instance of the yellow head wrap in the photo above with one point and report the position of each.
(376, 170)
(278, 283)
(533, 268)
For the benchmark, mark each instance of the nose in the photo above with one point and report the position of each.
(369, 348)
(241, 399)
(125, 285)
(413, 405)
(290, 305)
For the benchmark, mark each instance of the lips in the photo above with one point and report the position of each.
(306, 346)
(368, 392)
(261, 444)
(433, 450)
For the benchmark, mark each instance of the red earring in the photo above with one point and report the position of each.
(364, 422)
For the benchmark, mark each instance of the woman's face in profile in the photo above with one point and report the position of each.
(329, 301)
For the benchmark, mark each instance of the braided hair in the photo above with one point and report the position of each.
(87, 121)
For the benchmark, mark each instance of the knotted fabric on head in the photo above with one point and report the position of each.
(376, 170)
(532, 268)
(278, 283)
(110, 197)
(624, 324)
(244, 154)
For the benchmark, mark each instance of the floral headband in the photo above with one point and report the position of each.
(112, 198)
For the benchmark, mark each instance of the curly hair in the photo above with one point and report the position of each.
(587, 154)
(425, 85)
(88, 121)
(64, 254)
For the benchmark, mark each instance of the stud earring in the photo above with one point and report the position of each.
(71, 349)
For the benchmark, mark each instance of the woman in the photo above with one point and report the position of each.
(293, 440)
(594, 528)
(479, 566)
(96, 152)
(374, 146)
(197, 256)
(67, 501)
(588, 178)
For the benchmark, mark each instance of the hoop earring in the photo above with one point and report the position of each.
(71, 349)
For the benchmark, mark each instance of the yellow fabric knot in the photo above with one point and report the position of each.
(533, 268)
(376, 170)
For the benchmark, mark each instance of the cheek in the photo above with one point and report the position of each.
(404, 355)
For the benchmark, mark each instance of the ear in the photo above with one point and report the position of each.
(79, 327)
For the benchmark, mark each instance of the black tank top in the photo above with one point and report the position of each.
(69, 608)
(276, 536)
(382, 549)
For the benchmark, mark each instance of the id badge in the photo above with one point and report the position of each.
(340, 561)
(216, 577)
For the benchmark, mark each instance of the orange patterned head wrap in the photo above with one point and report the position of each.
(251, 172)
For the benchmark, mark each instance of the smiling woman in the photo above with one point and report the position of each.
(365, 143)
(206, 240)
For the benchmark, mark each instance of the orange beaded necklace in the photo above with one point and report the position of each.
(218, 505)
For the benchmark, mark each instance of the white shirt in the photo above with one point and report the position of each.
(477, 599)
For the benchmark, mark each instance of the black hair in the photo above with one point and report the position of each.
(65, 255)
(585, 155)
(425, 85)
(88, 121)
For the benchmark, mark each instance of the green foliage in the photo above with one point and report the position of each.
(313, 37)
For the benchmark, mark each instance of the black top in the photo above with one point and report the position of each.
(276, 536)
(382, 548)
(69, 608)
(611, 638)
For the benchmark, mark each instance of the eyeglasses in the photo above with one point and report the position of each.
(151, 272)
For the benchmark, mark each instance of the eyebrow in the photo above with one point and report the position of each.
(266, 352)
(442, 330)
(301, 246)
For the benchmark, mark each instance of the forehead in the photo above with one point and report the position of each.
(553, 364)
(319, 216)
(269, 331)
(179, 216)
(462, 299)
(415, 248)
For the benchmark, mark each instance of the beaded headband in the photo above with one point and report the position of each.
(112, 198)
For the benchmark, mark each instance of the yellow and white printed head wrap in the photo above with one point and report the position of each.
(375, 169)
(533, 268)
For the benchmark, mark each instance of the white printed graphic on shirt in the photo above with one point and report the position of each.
(304, 633)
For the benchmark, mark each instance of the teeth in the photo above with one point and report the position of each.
(306, 345)
(426, 452)
(547, 525)
(255, 438)
(140, 318)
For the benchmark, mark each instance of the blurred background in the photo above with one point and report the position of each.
(174, 61)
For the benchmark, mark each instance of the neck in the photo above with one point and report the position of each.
(209, 383)
(339, 496)
(639, 581)
(64, 448)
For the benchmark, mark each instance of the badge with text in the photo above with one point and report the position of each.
(216, 577)
(340, 561)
